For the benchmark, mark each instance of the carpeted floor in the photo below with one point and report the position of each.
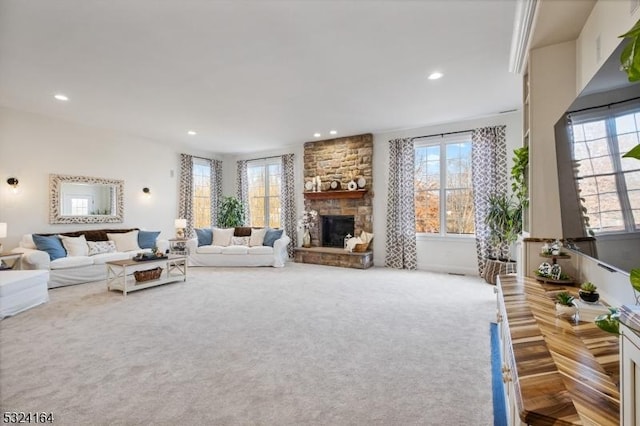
(301, 345)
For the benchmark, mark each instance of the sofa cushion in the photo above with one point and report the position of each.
(75, 246)
(99, 247)
(260, 250)
(240, 241)
(235, 250)
(242, 231)
(50, 244)
(271, 236)
(205, 236)
(127, 241)
(71, 262)
(27, 242)
(257, 237)
(101, 259)
(209, 249)
(222, 237)
(147, 239)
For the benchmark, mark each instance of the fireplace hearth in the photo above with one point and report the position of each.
(335, 228)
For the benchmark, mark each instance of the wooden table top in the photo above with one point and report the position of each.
(131, 262)
(567, 373)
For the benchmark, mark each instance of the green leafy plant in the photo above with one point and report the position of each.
(504, 219)
(630, 63)
(230, 213)
(518, 175)
(609, 322)
(634, 279)
(564, 298)
(589, 287)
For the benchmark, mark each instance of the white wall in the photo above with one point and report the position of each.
(455, 255)
(33, 146)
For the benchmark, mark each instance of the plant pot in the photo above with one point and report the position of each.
(589, 296)
(565, 311)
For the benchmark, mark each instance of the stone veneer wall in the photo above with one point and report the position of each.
(338, 159)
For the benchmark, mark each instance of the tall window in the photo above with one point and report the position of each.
(609, 184)
(443, 188)
(201, 194)
(264, 192)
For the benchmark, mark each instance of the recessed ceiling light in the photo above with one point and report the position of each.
(60, 97)
(316, 135)
(435, 75)
(333, 132)
(191, 133)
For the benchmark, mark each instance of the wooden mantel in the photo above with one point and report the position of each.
(336, 194)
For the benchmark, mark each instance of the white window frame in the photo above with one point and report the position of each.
(443, 141)
(609, 115)
(201, 163)
(266, 162)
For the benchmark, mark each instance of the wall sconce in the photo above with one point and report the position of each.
(180, 224)
(13, 182)
(146, 191)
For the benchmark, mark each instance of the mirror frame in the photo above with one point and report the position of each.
(55, 212)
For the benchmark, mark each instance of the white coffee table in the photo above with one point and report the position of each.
(120, 273)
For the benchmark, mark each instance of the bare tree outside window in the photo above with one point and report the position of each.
(443, 189)
(264, 193)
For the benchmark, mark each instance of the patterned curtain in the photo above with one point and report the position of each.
(243, 190)
(489, 175)
(216, 189)
(185, 206)
(401, 220)
(288, 214)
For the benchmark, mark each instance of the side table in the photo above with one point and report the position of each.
(12, 258)
(178, 246)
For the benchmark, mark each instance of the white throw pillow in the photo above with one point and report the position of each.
(257, 237)
(75, 246)
(100, 247)
(125, 241)
(240, 241)
(222, 237)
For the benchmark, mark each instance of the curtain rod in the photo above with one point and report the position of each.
(263, 158)
(441, 134)
(603, 106)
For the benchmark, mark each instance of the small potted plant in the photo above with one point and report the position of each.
(564, 305)
(589, 292)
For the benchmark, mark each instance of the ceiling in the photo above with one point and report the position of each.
(251, 76)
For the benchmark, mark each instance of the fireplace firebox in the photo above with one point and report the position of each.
(335, 228)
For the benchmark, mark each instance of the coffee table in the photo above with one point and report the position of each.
(120, 273)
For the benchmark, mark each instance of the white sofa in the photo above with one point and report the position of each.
(70, 270)
(239, 255)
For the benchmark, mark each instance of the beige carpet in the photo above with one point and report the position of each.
(303, 345)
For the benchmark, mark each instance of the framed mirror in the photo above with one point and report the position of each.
(84, 199)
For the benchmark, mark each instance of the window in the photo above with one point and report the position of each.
(80, 206)
(609, 185)
(201, 193)
(264, 192)
(443, 187)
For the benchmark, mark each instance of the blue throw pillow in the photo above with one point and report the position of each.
(52, 245)
(205, 236)
(147, 239)
(271, 236)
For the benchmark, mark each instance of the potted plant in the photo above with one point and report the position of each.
(589, 292)
(564, 305)
(230, 213)
(504, 219)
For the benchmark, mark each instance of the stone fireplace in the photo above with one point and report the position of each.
(339, 161)
(334, 229)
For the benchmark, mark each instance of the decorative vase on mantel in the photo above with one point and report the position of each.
(306, 239)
